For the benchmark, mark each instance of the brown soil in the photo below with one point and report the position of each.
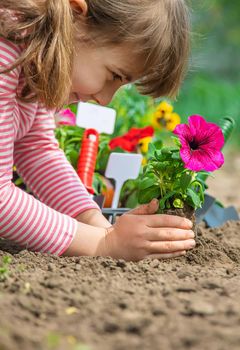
(98, 303)
(186, 212)
(191, 302)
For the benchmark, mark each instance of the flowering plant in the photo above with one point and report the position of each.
(171, 174)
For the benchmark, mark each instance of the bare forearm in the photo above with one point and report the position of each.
(88, 241)
(90, 237)
(93, 217)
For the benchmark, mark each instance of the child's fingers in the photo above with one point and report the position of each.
(166, 255)
(145, 209)
(170, 246)
(162, 220)
(168, 234)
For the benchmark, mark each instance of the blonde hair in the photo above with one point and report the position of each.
(158, 31)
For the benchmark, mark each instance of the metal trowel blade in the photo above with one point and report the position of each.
(217, 216)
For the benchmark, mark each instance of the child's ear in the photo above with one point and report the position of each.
(79, 6)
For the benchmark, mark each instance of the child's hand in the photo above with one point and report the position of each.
(139, 234)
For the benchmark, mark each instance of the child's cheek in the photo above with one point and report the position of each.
(87, 84)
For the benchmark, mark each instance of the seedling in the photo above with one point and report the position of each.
(4, 271)
(165, 178)
(172, 173)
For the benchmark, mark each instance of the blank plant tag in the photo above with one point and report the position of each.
(91, 116)
(122, 167)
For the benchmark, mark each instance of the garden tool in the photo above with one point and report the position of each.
(96, 119)
(122, 167)
(87, 158)
(212, 212)
(217, 215)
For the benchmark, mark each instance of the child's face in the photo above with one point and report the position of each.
(99, 72)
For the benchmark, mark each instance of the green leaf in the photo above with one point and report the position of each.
(166, 150)
(72, 157)
(202, 182)
(163, 200)
(162, 166)
(204, 173)
(199, 188)
(176, 141)
(73, 140)
(185, 181)
(97, 184)
(176, 156)
(151, 150)
(158, 144)
(132, 200)
(196, 201)
(148, 181)
(147, 195)
(158, 155)
(178, 203)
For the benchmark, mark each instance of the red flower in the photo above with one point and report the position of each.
(130, 140)
(122, 143)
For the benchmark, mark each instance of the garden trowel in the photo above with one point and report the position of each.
(217, 215)
(95, 119)
(214, 214)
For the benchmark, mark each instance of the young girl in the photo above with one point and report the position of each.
(54, 52)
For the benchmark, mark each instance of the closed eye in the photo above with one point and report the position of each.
(117, 77)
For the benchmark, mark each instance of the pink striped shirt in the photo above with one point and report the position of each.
(27, 140)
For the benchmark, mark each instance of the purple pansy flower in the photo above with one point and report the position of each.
(201, 144)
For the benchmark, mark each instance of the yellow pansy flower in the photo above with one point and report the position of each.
(143, 144)
(164, 107)
(164, 118)
(172, 121)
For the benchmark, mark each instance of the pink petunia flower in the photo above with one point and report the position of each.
(66, 117)
(201, 144)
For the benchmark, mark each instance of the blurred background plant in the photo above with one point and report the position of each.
(212, 86)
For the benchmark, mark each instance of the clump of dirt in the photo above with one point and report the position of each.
(187, 212)
(81, 303)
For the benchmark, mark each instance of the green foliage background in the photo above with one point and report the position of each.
(212, 86)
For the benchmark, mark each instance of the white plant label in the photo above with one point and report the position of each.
(122, 167)
(91, 116)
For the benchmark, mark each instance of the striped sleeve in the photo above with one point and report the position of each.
(24, 219)
(46, 170)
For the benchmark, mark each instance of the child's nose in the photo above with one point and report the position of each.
(104, 100)
(105, 96)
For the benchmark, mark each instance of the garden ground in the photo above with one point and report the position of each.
(98, 303)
